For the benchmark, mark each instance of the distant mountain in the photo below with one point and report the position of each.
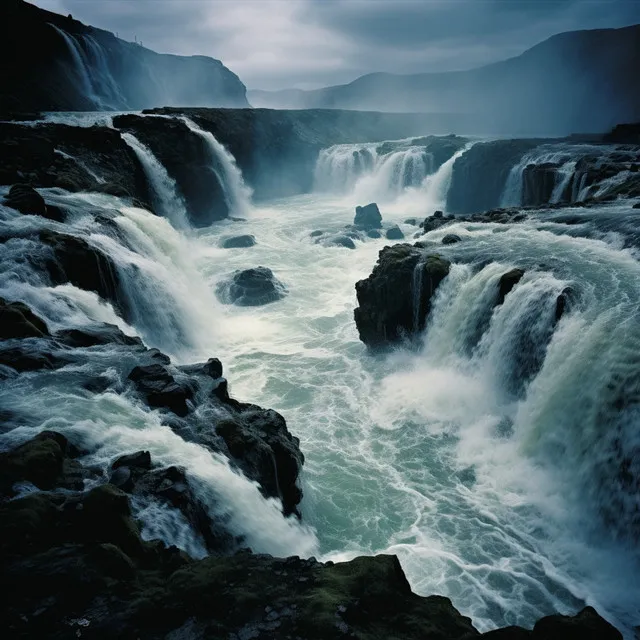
(575, 81)
(55, 63)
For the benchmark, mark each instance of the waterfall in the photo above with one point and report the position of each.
(81, 164)
(436, 186)
(569, 180)
(92, 68)
(236, 193)
(370, 173)
(81, 67)
(163, 187)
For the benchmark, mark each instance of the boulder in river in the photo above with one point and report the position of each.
(394, 233)
(451, 238)
(368, 217)
(251, 288)
(390, 306)
(18, 321)
(238, 242)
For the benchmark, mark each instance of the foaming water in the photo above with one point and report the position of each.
(450, 457)
(489, 459)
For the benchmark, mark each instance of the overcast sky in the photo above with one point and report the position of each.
(274, 44)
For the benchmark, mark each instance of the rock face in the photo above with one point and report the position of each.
(27, 200)
(251, 288)
(368, 217)
(479, 175)
(395, 299)
(113, 74)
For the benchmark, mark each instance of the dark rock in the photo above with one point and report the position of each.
(368, 217)
(539, 181)
(438, 214)
(96, 335)
(374, 233)
(316, 234)
(252, 287)
(18, 321)
(394, 233)
(562, 302)
(586, 625)
(337, 241)
(239, 242)
(451, 238)
(31, 355)
(212, 368)
(434, 222)
(160, 389)
(74, 260)
(412, 221)
(636, 205)
(27, 200)
(508, 633)
(265, 450)
(387, 298)
(507, 282)
(139, 460)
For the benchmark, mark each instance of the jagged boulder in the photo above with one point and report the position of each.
(18, 321)
(368, 217)
(250, 288)
(161, 390)
(390, 307)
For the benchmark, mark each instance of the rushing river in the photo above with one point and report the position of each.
(488, 459)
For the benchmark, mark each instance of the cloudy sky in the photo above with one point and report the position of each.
(274, 44)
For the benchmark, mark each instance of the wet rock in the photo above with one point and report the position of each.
(368, 217)
(74, 260)
(338, 241)
(252, 287)
(451, 238)
(412, 221)
(538, 183)
(212, 368)
(138, 460)
(389, 308)
(636, 205)
(238, 242)
(316, 234)
(27, 200)
(438, 214)
(586, 625)
(259, 441)
(95, 335)
(394, 233)
(18, 321)
(434, 222)
(374, 233)
(160, 389)
(507, 282)
(31, 355)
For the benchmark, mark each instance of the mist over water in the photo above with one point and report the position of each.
(487, 457)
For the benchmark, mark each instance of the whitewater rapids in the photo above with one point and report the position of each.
(494, 489)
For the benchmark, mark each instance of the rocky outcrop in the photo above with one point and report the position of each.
(72, 158)
(368, 217)
(251, 288)
(27, 200)
(81, 68)
(75, 564)
(395, 299)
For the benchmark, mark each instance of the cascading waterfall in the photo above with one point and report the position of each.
(92, 69)
(562, 159)
(163, 187)
(237, 194)
(370, 173)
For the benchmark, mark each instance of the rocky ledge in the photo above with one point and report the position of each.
(75, 566)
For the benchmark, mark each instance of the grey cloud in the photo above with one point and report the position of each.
(305, 43)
